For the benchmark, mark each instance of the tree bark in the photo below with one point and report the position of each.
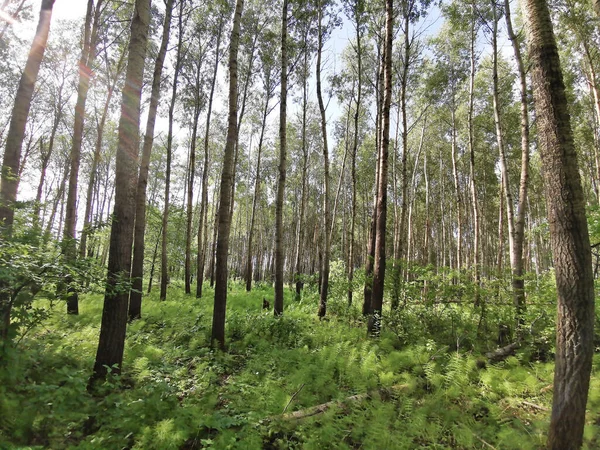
(255, 197)
(471, 132)
(278, 301)
(203, 222)
(568, 233)
(517, 262)
(374, 323)
(164, 260)
(16, 131)
(14, 142)
(109, 355)
(137, 267)
(351, 246)
(326, 211)
(88, 56)
(218, 323)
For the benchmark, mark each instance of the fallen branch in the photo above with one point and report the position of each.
(292, 398)
(502, 353)
(533, 405)
(301, 414)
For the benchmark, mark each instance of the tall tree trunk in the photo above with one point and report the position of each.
(326, 211)
(374, 324)
(18, 120)
(114, 314)
(190, 183)
(255, 197)
(278, 301)
(87, 218)
(518, 282)
(164, 260)
(303, 195)
(88, 56)
(402, 247)
(218, 323)
(351, 243)
(14, 142)
(203, 222)
(568, 234)
(151, 277)
(137, 267)
(471, 132)
(370, 257)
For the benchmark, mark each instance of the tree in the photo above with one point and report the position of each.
(517, 263)
(88, 55)
(568, 233)
(109, 355)
(137, 267)
(322, 32)
(164, 268)
(278, 302)
(374, 323)
(14, 142)
(218, 323)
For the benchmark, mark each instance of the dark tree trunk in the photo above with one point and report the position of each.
(137, 267)
(568, 234)
(218, 323)
(379, 263)
(86, 62)
(278, 302)
(164, 263)
(255, 197)
(324, 283)
(114, 314)
(518, 282)
(14, 142)
(203, 222)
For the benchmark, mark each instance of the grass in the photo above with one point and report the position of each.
(177, 392)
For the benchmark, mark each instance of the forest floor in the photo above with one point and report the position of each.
(424, 383)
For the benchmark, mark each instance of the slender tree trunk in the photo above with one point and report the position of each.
(59, 196)
(370, 257)
(164, 263)
(86, 62)
(14, 142)
(326, 194)
(471, 131)
(190, 183)
(568, 234)
(374, 324)
(114, 314)
(255, 197)
(518, 282)
(400, 253)
(137, 268)
(357, 112)
(218, 323)
(278, 301)
(302, 213)
(203, 222)
(151, 277)
(16, 131)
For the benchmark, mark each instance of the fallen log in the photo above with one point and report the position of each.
(301, 414)
(500, 354)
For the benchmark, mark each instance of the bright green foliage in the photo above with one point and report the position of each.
(429, 385)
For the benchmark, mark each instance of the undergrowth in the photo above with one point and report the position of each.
(428, 383)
